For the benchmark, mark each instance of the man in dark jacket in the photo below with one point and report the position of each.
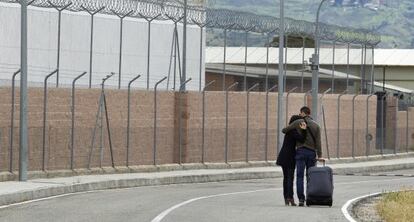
(308, 151)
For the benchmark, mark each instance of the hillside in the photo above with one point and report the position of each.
(394, 20)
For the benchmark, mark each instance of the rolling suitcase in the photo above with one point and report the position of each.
(319, 189)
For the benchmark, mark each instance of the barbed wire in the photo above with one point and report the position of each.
(213, 18)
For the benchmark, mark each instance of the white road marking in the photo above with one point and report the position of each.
(169, 210)
(349, 202)
(47, 198)
(165, 213)
(70, 194)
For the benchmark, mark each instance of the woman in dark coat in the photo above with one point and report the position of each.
(286, 159)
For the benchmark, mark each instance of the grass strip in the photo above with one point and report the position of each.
(397, 206)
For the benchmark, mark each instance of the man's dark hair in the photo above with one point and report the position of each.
(294, 118)
(305, 110)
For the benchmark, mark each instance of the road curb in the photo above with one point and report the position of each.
(372, 170)
(7, 176)
(153, 177)
(57, 190)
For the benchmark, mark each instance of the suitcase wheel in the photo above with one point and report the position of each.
(326, 203)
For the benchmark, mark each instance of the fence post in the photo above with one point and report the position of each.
(286, 42)
(224, 59)
(247, 119)
(59, 9)
(363, 76)
(267, 122)
(92, 13)
(108, 128)
(99, 116)
(303, 63)
(149, 20)
(202, 26)
(338, 123)
(395, 127)
(155, 121)
(347, 65)
(333, 66)
(267, 61)
(245, 58)
(287, 103)
(305, 102)
(175, 52)
(204, 121)
(226, 144)
(407, 126)
(368, 138)
(353, 125)
(180, 119)
(121, 28)
(324, 122)
(44, 118)
(372, 70)
(129, 118)
(383, 98)
(227, 28)
(12, 120)
(72, 135)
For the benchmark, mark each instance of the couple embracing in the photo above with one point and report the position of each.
(301, 149)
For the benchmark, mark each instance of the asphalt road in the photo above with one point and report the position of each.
(254, 200)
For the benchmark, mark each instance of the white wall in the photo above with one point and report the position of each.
(75, 41)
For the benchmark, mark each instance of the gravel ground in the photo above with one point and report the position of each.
(364, 211)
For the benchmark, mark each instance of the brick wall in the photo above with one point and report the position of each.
(404, 126)
(352, 128)
(168, 119)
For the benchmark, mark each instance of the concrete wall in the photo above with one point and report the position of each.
(75, 44)
(142, 120)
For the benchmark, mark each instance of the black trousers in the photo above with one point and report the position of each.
(288, 176)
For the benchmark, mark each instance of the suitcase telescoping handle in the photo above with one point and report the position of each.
(322, 161)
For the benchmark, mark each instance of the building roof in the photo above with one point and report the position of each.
(238, 70)
(257, 55)
(260, 72)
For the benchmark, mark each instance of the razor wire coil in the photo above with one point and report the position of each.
(212, 18)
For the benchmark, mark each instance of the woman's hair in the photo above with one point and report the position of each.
(294, 118)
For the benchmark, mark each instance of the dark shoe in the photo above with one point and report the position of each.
(286, 202)
(292, 202)
(301, 203)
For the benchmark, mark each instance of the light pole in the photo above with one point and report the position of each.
(184, 77)
(280, 77)
(23, 95)
(315, 67)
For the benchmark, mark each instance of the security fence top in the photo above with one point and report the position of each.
(213, 18)
(208, 84)
(273, 88)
